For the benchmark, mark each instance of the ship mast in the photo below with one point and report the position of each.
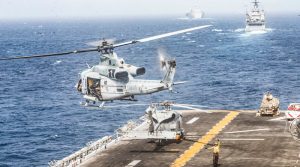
(255, 4)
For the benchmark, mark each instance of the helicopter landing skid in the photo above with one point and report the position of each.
(93, 105)
(131, 98)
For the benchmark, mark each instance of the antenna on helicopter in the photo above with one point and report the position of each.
(88, 65)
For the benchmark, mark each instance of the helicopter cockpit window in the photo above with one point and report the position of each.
(79, 85)
(121, 63)
(93, 86)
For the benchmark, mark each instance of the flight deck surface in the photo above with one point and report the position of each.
(246, 141)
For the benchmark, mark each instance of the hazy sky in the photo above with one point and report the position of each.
(14, 9)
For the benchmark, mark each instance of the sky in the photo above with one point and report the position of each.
(39, 9)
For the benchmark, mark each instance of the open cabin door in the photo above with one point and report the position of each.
(94, 87)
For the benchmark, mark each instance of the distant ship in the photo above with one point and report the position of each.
(195, 13)
(255, 19)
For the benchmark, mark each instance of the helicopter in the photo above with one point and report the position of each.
(161, 123)
(113, 79)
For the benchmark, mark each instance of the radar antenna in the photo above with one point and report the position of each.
(255, 2)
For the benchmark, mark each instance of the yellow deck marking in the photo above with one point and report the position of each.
(197, 146)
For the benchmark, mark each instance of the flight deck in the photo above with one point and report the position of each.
(246, 140)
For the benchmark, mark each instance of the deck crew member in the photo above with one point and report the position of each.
(216, 152)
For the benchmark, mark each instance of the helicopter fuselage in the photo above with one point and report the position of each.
(112, 78)
(113, 90)
(106, 83)
(165, 124)
(107, 89)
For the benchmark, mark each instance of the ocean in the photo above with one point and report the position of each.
(41, 118)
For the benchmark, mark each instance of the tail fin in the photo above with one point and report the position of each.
(170, 66)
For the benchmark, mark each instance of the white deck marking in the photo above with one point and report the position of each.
(278, 119)
(192, 120)
(253, 130)
(192, 133)
(133, 163)
(242, 139)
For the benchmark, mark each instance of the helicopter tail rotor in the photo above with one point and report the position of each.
(162, 57)
(169, 66)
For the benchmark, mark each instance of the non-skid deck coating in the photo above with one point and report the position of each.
(246, 141)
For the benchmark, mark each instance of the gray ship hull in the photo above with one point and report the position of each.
(255, 27)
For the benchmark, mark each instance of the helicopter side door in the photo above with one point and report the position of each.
(94, 87)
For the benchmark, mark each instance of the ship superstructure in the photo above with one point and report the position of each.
(195, 13)
(255, 19)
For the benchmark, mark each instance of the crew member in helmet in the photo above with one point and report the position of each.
(216, 152)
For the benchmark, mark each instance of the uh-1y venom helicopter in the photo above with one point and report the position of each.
(112, 78)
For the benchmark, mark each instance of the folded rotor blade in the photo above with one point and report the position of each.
(51, 54)
(166, 120)
(161, 36)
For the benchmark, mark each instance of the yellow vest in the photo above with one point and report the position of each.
(216, 147)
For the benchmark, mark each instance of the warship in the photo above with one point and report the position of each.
(255, 19)
(195, 13)
(246, 141)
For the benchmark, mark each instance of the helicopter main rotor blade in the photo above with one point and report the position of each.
(189, 107)
(161, 36)
(50, 55)
(125, 105)
(106, 47)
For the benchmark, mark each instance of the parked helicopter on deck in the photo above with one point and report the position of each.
(162, 123)
(113, 79)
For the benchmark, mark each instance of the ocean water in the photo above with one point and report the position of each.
(40, 115)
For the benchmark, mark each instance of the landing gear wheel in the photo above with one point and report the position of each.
(295, 129)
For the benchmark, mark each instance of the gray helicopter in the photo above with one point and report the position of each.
(113, 79)
(161, 122)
